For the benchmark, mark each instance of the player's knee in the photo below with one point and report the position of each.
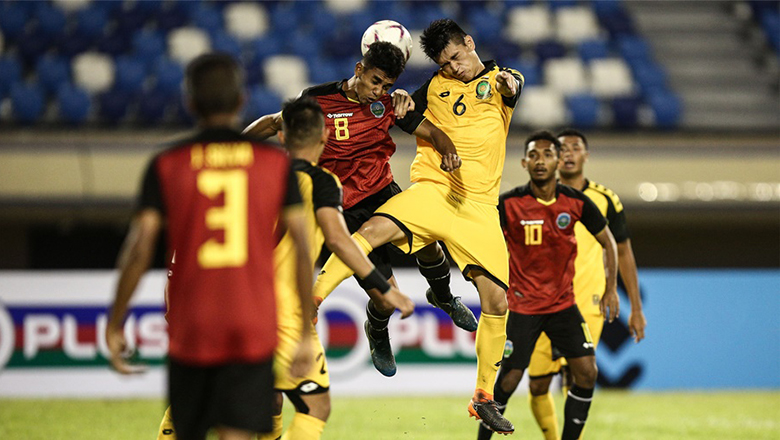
(494, 304)
(586, 376)
(379, 230)
(538, 387)
(432, 252)
(320, 408)
(509, 379)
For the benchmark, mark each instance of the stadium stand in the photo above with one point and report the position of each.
(597, 58)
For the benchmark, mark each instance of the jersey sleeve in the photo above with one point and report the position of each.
(512, 101)
(292, 196)
(326, 191)
(151, 192)
(591, 217)
(413, 119)
(617, 218)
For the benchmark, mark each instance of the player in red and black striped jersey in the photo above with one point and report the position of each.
(220, 195)
(359, 114)
(538, 221)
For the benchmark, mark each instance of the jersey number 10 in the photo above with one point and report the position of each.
(533, 235)
(230, 217)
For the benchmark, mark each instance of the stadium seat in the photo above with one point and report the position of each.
(590, 50)
(115, 43)
(73, 43)
(74, 104)
(303, 44)
(558, 4)
(246, 21)
(207, 18)
(610, 77)
(27, 102)
(667, 109)
(72, 5)
(528, 25)
(168, 76)
(566, 76)
(91, 21)
(131, 74)
(114, 105)
(421, 16)
(501, 50)
(322, 70)
(418, 59)
(129, 20)
(614, 19)
(584, 110)
(224, 42)
(634, 48)
(487, 25)
(264, 47)
(32, 45)
(171, 18)
(92, 71)
(541, 107)
(576, 24)
(149, 45)
(284, 21)
(529, 69)
(51, 21)
(186, 43)
(345, 6)
(549, 49)
(13, 20)
(625, 111)
(152, 107)
(323, 20)
(262, 101)
(286, 75)
(10, 73)
(52, 71)
(651, 77)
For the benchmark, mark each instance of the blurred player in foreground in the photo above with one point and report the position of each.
(220, 194)
(359, 114)
(538, 221)
(589, 279)
(472, 102)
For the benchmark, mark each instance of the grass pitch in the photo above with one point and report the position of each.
(614, 415)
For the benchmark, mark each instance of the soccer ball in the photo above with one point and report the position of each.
(390, 31)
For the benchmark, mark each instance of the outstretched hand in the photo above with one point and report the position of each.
(506, 84)
(402, 103)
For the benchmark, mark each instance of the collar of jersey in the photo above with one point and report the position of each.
(343, 93)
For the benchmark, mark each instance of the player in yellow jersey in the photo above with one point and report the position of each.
(589, 279)
(472, 102)
(304, 135)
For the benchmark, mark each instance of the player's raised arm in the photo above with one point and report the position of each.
(610, 301)
(341, 243)
(402, 103)
(450, 161)
(627, 263)
(265, 126)
(134, 260)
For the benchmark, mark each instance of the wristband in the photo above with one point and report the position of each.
(375, 280)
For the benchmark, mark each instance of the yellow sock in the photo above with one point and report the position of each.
(543, 409)
(491, 336)
(335, 271)
(276, 432)
(304, 427)
(166, 427)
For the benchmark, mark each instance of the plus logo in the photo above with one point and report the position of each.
(616, 337)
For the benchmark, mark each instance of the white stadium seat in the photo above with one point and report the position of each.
(186, 43)
(71, 5)
(93, 71)
(246, 21)
(576, 24)
(566, 75)
(528, 25)
(345, 6)
(286, 74)
(418, 57)
(610, 77)
(541, 107)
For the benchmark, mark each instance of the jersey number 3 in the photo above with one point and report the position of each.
(230, 217)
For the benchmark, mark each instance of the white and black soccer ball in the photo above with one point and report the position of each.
(390, 31)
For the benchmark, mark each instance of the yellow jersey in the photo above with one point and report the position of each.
(476, 117)
(319, 188)
(589, 277)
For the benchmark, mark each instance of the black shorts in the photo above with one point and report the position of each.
(237, 395)
(360, 213)
(566, 329)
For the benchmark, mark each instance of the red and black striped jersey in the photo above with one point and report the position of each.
(221, 194)
(359, 147)
(542, 246)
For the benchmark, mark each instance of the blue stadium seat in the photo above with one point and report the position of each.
(549, 49)
(284, 21)
(129, 20)
(27, 102)
(254, 70)
(114, 105)
(152, 106)
(422, 15)
(51, 21)
(486, 25)
(650, 77)
(74, 104)
(169, 75)
(262, 101)
(224, 42)
(341, 45)
(262, 48)
(501, 50)
(53, 71)
(615, 20)
(131, 74)
(305, 45)
(584, 110)
(149, 46)
(556, 4)
(207, 18)
(593, 49)
(91, 21)
(73, 43)
(10, 73)
(667, 109)
(32, 45)
(13, 19)
(323, 20)
(115, 43)
(355, 24)
(171, 18)
(322, 70)
(626, 111)
(530, 70)
(634, 48)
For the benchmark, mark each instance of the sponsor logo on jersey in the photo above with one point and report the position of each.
(339, 115)
(564, 220)
(444, 94)
(483, 90)
(509, 348)
(531, 222)
(377, 109)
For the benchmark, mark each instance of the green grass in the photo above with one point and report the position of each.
(614, 415)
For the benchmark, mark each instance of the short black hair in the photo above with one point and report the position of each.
(215, 83)
(302, 122)
(574, 132)
(542, 135)
(385, 57)
(438, 35)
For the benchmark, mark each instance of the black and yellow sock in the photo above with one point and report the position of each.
(543, 409)
(166, 431)
(377, 319)
(437, 273)
(575, 412)
(304, 427)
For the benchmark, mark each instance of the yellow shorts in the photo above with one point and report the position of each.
(428, 212)
(542, 363)
(285, 351)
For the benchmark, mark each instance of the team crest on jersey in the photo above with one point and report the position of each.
(509, 347)
(563, 220)
(483, 90)
(378, 109)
